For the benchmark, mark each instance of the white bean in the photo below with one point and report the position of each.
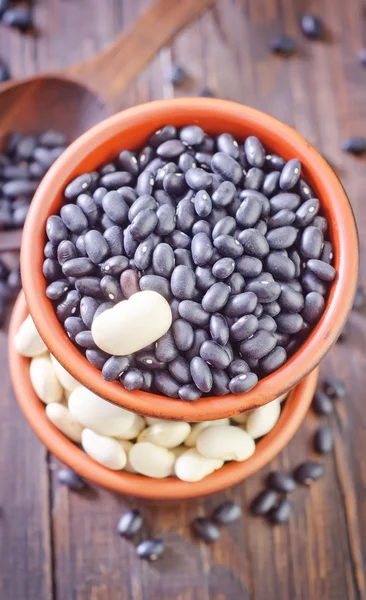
(67, 381)
(99, 415)
(137, 426)
(191, 440)
(191, 466)
(178, 451)
(282, 398)
(132, 324)
(44, 380)
(61, 418)
(153, 420)
(241, 418)
(261, 420)
(127, 445)
(226, 442)
(105, 450)
(27, 341)
(168, 434)
(151, 460)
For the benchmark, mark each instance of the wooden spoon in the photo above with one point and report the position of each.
(73, 100)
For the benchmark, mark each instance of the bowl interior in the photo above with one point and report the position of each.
(293, 413)
(129, 130)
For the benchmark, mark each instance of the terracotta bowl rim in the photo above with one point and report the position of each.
(317, 344)
(292, 415)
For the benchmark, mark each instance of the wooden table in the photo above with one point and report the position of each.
(59, 545)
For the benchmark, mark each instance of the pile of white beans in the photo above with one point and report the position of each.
(122, 440)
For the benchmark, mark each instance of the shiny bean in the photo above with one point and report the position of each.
(270, 183)
(274, 360)
(132, 379)
(214, 355)
(306, 212)
(238, 367)
(266, 291)
(216, 297)
(170, 149)
(89, 208)
(243, 383)
(254, 243)
(179, 369)
(308, 472)
(224, 194)
(163, 260)
(144, 253)
(201, 374)
(290, 174)
(280, 266)
(311, 283)
(78, 267)
(282, 237)
(69, 306)
(284, 200)
(226, 166)
(84, 338)
(241, 304)
(243, 328)
(223, 268)
(281, 218)
(166, 220)
(323, 440)
(74, 218)
(253, 179)
(96, 246)
(313, 307)
(249, 212)
(189, 393)
(226, 226)
(143, 224)
(56, 230)
(111, 288)
(290, 300)
(289, 322)
(183, 282)
(226, 143)
(198, 179)
(321, 269)
(311, 242)
(129, 283)
(148, 360)
(201, 249)
(166, 384)
(114, 265)
(89, 286)
(114, 237)
(57, 289)
(178, 239)
(183, 334)
(88, 306)
(143, 202)
(228, 246)
(194, 313)
(182, 256)
(157, 284)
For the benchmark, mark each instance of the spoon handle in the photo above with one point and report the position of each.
(109, 73)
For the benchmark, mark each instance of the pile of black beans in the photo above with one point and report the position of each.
(230, 235)
(23, 162)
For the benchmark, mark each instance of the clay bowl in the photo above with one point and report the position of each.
(130, 129)
(293, 413)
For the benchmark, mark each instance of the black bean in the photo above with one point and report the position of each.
(167, 169)
(284, 200)
(115, 367)
(321, 223)
(220, 382)
(219, 329)
(355, 144)
(334, 387)
(281, 218)
(323, 439)
(179, 369)
(88, 306)
(226, 166)
(183, 282)
(224, 194)
(264, 502)
(174, 184)
(228, 246)
(192, 135)
(166, 384)
(282, 237)
(189, 393)
(148, 380)
(57, 289)
(227, 144)
(322, 404)
(108, 168)
(307, 211)
(89, 208)
(150, 550)
(268, 323)
(78, 267)
(114, 265)
(272, 308)
(214, 355)
(115, 207)
(163, 260)
(143, 224)
(321, 269)
(79, 241)
(201, 374)
(170, 149)
(111, 288)
(225, 226)
(243, 383)
(283, 45)
(132, 380)
(186, 161)
(206, 530)
(254, 243)
(178, 239)
(223, 268)
(147, 359)
(129, 282)
(274, 162)
(280, 266)
(249, 212)
(50, 251)
(253, 179)
(270, 183)
(258, 311)
(241, 304)
(116, 179)
(157, 284)
(130, 524)
(98, 196)
(193, 313)
(281, 482)
(145, 182)
(227, 512)
(238, 367)
(51, 270)
(282, 512)
(78, 185)
(308, 472)
(258, 346)
(290, 300)
(198, 179)
(290, 174)
(19, 187)
(144, 253)
(84, 339)
(166, 349)
(254, 151)
(243, 328)
(89, 286)
(289, 322)
(248, 266)
(266, 291)
(203, 159)
(311, 283)
(96, 246)
(312, 26)
(274, 360)
(74, 218)
(183, 334)
(128, 162)
(311, 242)
(216, 297)
(327, 252)
(128, 194)
(201, 249)
(70, 479)
(56, 230)
(168, 132)
(313, 307)
(69, 306)
(183, 256)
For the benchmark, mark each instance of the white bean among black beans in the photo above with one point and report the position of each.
(230, 235)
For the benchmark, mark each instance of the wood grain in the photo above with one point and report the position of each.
(59, 545)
